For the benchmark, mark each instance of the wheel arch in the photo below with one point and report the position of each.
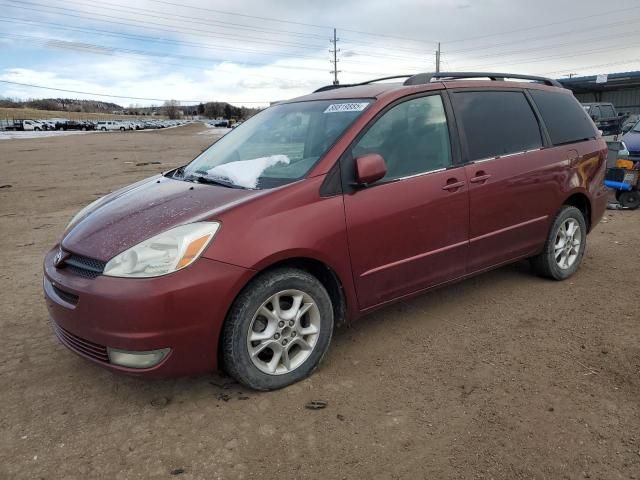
(581, 201)
(319, 269)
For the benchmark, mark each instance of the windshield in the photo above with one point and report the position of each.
(277, 146)
(637, 127)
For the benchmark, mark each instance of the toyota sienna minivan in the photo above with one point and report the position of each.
(319, 210)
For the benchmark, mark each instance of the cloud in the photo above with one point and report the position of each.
(149, 48)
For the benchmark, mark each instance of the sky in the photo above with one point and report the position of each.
(252, 52)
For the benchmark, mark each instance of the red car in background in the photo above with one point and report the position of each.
(320, 209)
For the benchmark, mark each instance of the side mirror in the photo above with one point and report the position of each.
(370, 168)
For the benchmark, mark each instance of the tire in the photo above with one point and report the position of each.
(630, 200)
(302, 339)
(568, 260)
(103, 129)
(122, 129)
(37, 129)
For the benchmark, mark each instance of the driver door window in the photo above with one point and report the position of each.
(412, 137)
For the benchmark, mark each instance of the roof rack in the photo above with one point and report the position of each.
(422, 78)
(332, 87)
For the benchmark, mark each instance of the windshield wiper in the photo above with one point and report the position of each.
(211, 181)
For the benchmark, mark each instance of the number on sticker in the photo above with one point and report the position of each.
(346, 107)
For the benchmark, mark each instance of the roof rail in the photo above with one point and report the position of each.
(421, 78)
(373, 80)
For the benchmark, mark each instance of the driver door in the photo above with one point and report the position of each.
(410, 230)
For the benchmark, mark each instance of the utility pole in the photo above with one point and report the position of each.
(335, 60)
(438, 59)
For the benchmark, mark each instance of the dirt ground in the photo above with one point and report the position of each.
(504, 376)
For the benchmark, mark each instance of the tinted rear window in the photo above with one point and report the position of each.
(563, 116)
(496, 123)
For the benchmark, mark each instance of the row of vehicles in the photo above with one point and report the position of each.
(608, 120)
(86, 125)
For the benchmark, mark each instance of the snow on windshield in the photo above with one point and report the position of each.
(245, 173)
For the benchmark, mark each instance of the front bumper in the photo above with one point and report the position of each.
(183, 311)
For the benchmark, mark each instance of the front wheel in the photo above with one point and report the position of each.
(278, 329)
(565, 245)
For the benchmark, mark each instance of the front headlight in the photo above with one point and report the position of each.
(165, 253)
(83, 213)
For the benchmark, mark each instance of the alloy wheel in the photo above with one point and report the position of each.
(283, 332)
(567, 244)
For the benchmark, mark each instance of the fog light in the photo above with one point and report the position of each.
(137, 359)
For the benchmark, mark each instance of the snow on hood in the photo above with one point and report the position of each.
(245, 173)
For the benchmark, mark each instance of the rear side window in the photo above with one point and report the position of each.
(607, 111)
(496, 123)
(563, 116)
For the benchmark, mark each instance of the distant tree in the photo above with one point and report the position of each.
(172, 109)
(200, 108)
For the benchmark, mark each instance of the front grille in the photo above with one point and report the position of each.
(84, 266)
(66, 296)
(80, 345)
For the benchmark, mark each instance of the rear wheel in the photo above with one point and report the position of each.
(122, 129)
(278, 330)
(630, 199)
(565, 245)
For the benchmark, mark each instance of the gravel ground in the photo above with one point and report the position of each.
(504, 376)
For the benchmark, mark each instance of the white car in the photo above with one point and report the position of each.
(32, 125)
(111, 125)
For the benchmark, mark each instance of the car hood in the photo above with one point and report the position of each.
(128, 216)
(632, 141)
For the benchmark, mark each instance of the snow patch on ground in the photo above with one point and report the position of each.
(215, 130)
(32, 134)
(246, 172)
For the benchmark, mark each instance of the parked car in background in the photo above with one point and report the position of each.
(221, 123)
(74, 125)
(24, 125)
(605, 117)
(630, 122)
(110, 125)
(632, 141)
(32, 125)
(48, 124)
(378, 197)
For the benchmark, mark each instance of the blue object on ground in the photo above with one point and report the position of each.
(618, 185)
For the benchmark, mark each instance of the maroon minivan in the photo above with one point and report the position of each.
(320, 209)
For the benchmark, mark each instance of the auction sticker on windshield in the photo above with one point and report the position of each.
(346, 107)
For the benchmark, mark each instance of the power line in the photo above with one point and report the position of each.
(271, 19)
(588, 67)
(544, 37)
(555, 57)
(102, 49)
(544, 25)
(140, 23)
(115, 96)
(557, 45)
(92, 16)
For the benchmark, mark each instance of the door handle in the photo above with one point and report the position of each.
(453, 185)
(481, 177)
